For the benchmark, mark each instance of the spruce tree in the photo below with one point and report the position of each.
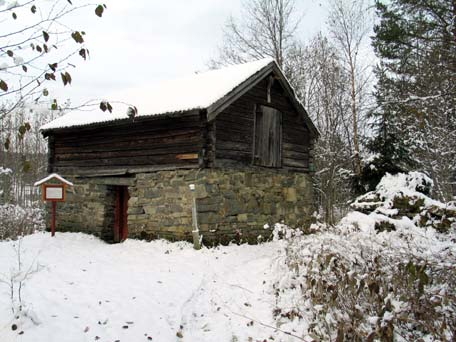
(415, 119)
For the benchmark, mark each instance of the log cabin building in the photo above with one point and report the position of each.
(239, 134)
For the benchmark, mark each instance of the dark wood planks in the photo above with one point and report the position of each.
(51, 154)
(235, 130)
(129, 146)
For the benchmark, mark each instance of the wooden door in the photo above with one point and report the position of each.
(120, 213)
(268, 137)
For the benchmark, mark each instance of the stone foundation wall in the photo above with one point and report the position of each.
(237, 204)
(160, 205)
(89, 208)
(233, 205)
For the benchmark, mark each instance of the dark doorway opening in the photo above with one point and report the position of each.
(120, 213)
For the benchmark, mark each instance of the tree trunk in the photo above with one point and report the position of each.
(357, 160)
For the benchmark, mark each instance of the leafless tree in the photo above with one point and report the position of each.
(266, 29)
(350, 26)
(24, 151)
(16, 281)
(322, 84)
(37, 47)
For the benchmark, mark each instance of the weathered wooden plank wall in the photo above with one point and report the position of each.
(146, 143)
(234, 131)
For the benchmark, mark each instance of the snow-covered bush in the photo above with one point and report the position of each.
(381, 274)
(5, 184)
(16, 281)
(362, 285)
(406, 195)
(17, 221)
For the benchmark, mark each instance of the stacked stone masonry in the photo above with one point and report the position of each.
(232, 205)
(89, 208)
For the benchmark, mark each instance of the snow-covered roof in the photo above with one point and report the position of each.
(197, 91)
(52, 176)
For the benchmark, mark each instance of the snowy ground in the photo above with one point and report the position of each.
(372, 275)
(86, 290)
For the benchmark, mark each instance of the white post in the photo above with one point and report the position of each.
(195, 231)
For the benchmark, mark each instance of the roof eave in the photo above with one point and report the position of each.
(297, 104)
(119, 122)
(217, 107)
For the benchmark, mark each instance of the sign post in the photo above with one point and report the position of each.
(54, 206)
(195, 230)
(53, 189)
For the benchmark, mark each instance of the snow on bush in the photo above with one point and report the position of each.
(358, 282)
(5, 171)
(406, 196)
(5, 174)
(17, 221)
(391, 186)
(365, 285)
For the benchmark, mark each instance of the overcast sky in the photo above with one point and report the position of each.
(141, 42)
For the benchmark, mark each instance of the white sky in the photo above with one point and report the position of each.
(142, 42)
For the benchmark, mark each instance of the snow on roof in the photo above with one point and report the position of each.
(51, 176)
(196, 91)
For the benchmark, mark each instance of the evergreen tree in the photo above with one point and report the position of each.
(390, 151)
(415, 122)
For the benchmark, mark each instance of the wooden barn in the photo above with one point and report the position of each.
(239, 134)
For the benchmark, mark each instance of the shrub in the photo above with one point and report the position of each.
(363, 286)
(17, 221)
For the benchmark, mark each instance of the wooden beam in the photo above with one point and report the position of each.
(187, 156)
(101, 172)
(125, 181)
(270, 83)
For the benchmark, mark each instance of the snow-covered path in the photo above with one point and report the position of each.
(86, 290)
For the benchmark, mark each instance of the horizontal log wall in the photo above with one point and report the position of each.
(161, 142)
(235, 130)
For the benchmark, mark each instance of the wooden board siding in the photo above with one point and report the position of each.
(234, 131)
(146, 143)
(51, 153)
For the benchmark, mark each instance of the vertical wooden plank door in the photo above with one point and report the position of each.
(120, 214)
(268, 137)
